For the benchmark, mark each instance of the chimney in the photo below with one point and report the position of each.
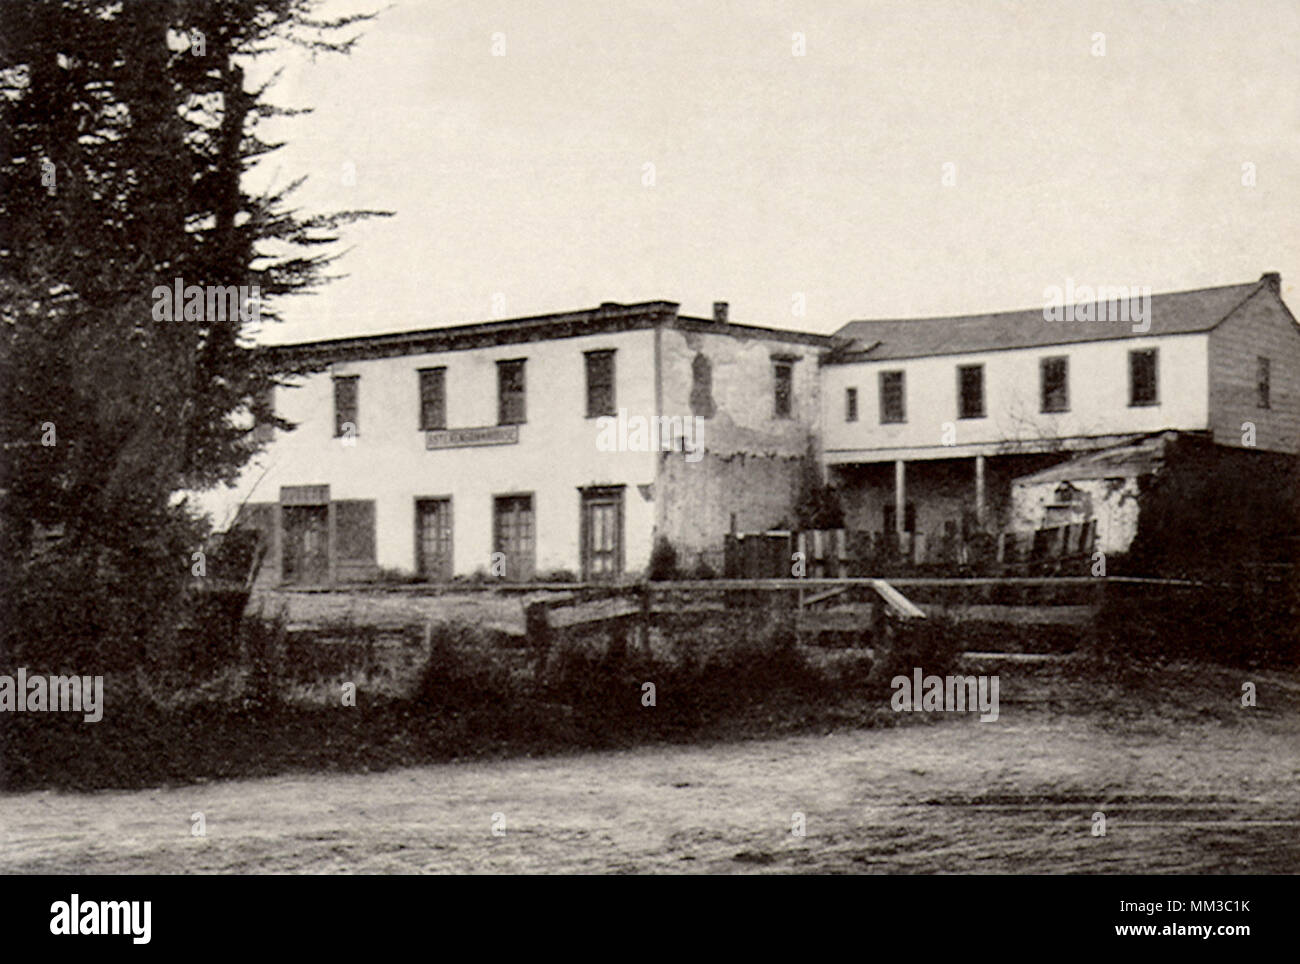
(1271, 278)
(720, 312)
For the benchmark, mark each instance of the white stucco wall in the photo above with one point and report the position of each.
(753, 460)
(555, 455)
(1112, 502)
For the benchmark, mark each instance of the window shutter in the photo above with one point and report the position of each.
(354, 535)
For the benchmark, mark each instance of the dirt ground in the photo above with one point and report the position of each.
(1188, 780)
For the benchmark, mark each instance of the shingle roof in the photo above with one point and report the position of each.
(1173, 313)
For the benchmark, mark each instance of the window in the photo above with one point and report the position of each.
(1055, 384)
(602, 533)
(433, 543)
(600, 383)
(433, 399)
(892, 408)
(512, 523)
(510, 392)
(970, 391)
(783, 382)
(701, 386)
(1262, 381)
(1142, 384)
(345, 405)
(850, 404)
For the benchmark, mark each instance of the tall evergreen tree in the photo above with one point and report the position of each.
(125, 132)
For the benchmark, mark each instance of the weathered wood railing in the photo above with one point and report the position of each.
(863, 607)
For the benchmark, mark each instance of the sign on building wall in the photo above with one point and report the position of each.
(450, 438)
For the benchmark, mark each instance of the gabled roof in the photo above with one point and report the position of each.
(1179, 312)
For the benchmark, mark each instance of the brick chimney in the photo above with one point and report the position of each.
(1273, 279)
(720, 312)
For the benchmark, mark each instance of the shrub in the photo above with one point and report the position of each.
(702, 570)
(461, 672)
(663, 560)
(264, 643)
(397, 577)
(556, 575)
(933, 645)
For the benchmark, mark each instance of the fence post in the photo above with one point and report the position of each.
(537, 626)
(646, 617)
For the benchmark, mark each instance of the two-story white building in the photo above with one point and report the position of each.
(927, 422)
(572, 442)
(519, 448)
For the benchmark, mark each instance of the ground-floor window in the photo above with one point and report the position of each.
(433, 538)
(602, 533)
(514, 535)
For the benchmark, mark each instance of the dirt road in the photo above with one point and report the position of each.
(1203, 791)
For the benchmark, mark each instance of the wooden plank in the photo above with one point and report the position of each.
(836, 621)
(759, 585)
(900, 604)
(1016, 615)
(597, 612)
(823, 596)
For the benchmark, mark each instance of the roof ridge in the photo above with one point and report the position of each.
(1259, 286)
(1017, 311)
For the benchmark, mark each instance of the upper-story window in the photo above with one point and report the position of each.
(892, 407)
(850, 404)
(433, 399)
(701, 385)
(510, 392)
(1262, 381)
(600, 383)
(1143, 385)
(783, 387)
(1055, 375)
(970, 391)
(345, 405)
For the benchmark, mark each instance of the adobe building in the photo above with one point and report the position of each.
(567, 444)
(561, 444)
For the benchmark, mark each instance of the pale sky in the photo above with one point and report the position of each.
(523, 176)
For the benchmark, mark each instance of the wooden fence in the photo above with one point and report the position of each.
(852, 611)
(838, 553)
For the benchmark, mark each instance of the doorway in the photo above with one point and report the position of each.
(306, 544)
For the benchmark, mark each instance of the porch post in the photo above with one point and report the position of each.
(900, 498)
(979, 489)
